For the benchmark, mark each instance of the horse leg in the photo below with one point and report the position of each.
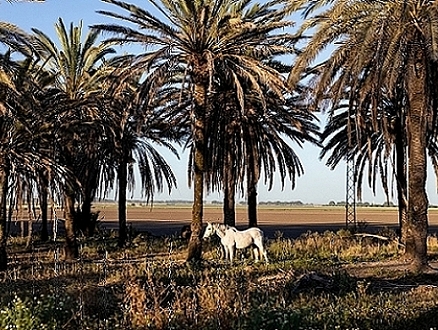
(262, 251)
(221, 252)
(256, 253)
(232, 251)
(265, 254)
(225, 252)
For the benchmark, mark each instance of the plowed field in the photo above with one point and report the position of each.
(292, 221)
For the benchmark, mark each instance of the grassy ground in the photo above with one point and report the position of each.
(317, 281)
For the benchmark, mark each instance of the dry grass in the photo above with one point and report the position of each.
(317, 281)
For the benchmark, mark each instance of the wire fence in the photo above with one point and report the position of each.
(65, 293)
(144, 286)
(148, 284)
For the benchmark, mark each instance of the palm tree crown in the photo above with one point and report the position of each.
(74, 63)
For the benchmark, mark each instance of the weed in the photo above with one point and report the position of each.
(148, 285)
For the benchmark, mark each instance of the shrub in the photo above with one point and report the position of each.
(44, 313)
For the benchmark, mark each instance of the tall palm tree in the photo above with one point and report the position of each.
(199, 38)
(269, 137)
(31, 80)
(13, 38)
(370, 150)
(394, 45)
(223, 171)
(22, 152)
(140, 125)
(383, 156)
(257, 141)
(378, 147)
(7, 124)
(77, 114)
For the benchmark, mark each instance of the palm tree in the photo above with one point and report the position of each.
(31, 80)
(268, 139)
(22, 153)
(248, 143)
(12, 37)
(382, 152)
(224, 173)
(77, 114)
(7, 125)
(199, 38)
(371, 150)
(141, 124)
(15, 40)
(393, 44)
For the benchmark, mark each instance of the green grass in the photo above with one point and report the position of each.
(148, 285)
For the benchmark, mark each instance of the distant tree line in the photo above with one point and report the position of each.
(363, 204)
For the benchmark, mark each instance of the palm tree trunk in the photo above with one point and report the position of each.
(4, 175)
(71, 247)
(195, 243)
(252, 178)
(402, 187)
(417, 219)
(252, 204)
(229, 206)
(85, 215)
(122, 176)
(201, 80)
(88, 222)
(44, 195)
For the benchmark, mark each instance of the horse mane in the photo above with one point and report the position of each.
(223, 228)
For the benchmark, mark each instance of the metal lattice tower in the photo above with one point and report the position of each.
(350, 199)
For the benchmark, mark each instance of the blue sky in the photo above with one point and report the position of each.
(318, 185)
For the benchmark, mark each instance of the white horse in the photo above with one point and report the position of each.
(233, 239)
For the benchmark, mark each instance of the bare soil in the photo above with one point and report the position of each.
(290, 222)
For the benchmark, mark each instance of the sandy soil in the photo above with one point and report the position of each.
(291, 222)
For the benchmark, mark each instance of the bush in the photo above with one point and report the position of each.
(44, 313)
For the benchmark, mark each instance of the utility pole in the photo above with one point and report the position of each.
(350, 200)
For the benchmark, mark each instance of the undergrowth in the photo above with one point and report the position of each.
(148, 285)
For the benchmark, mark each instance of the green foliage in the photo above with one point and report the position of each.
(43, 312)
(269, 318)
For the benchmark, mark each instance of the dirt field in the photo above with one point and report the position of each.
(291, 222)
